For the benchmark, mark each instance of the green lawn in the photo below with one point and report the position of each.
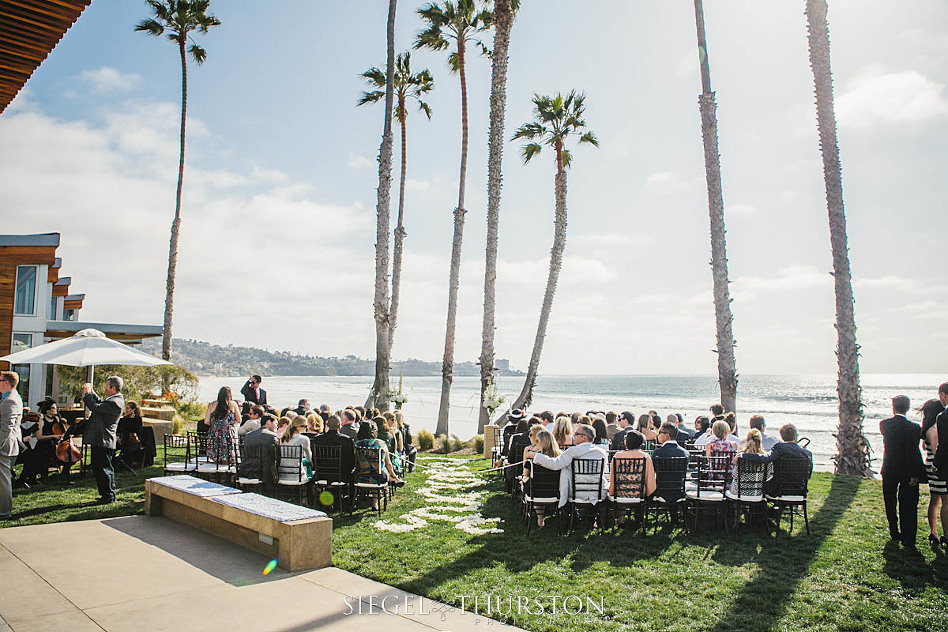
(842, 577)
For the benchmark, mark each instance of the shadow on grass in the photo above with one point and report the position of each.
(910, 569)
(762, 602)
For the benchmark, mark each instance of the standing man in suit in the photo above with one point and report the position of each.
(902, 468)
(940, 462)
(11, 410)
(253, 393)
(99, 432)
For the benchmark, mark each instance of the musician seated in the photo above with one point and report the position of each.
(128, 434)
(47, 440)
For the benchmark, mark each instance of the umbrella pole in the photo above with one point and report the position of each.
(90, 371)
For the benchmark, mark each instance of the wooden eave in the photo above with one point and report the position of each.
(29, 31)
(61, 287)
(28, 255)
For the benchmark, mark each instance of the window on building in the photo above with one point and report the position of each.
(52, 308)
(24, 303)
(22, 342)
(69, 315)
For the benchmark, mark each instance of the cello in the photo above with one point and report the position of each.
(66, 451)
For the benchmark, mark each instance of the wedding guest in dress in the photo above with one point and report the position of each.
(221, 419)
(563, 432)
(293, 435)
(645, 427)
(937, 486)
(368, 471)
(542, 443)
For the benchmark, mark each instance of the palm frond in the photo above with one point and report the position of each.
(197, 53)
(424, 107)
(590, 138)
(567, 157)
(371, 97)
(454, 62)
(529, 131)
(152, 27)
(529, 151)
(374, 77)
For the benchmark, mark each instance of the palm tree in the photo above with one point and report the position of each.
(407, 86)
(557, 119)
(459, 22)
(727, 369)
(378, 396)
(852, 448)
(504, 11)
(180, 18)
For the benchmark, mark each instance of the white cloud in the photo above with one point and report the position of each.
(417, 185)
(667, 183)
(360, 162)
(107, 80)
(878, 98)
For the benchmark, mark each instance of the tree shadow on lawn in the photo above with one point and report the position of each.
(785, 562)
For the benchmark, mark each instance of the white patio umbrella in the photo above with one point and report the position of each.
(87, 348)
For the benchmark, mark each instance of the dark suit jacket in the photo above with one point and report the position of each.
(941, 456)
(618, 440)
(254, 466)
(668, 450)
(347, 455)
(780, 450)
(901, 459)
(349, 430)
(250, 395)
(684, 435)
(99, 429)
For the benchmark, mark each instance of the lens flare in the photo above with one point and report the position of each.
(326, 498)
(272, 564)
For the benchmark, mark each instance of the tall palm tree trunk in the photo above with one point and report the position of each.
(447, 365)
(400, 233)
(852, 448)
(556, 263)
(380, 388)
(727, 369)
(176, 223)
(503, 22)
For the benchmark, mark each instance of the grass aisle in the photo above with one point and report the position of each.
(842, 577)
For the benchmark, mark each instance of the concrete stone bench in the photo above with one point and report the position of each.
(299, 538)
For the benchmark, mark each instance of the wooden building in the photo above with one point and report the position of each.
(36, 307)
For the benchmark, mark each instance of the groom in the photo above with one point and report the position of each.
(902, 469)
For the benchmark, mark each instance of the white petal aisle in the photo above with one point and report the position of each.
(451, 497)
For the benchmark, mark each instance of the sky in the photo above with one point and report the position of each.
(278, 231)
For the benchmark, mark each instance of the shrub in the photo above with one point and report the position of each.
(444, 444)
(456, 444)
(478, 444)
(425, 441)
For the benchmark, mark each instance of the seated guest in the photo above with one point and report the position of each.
(332, 437)
(251, 420)
(349, 426)
(766, 443)
(602, 434)
(626, 421)
(633, 444)
(719, 441)
(245, 410)
(684, 435)
(282, 423)
(786, 447)
(40, 444)
(753, 451)
(513, 418)
(260, 451)
(645, 427)
(702, 425)
(367, 470)
(669, 448)
(563, 432)
(548, 419)
(381, 433)
(731, 420)
(582, 448)
(518, 442)
(314, 424)
(293, 435)
(128, 433)
(303, 408)
(411, 452)
(709, 436)
(612, 425)
(542, 442)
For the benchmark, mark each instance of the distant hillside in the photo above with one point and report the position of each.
(204, 358)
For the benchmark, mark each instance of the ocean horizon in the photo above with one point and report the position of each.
(807, 401)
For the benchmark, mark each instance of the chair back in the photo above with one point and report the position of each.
(792, 475)
(291, 462)
(628, 477)
(749, 477)
(328, 466)
(587, 478)
(670, 475)
(197, 444)
(714, 472)
(176, 449)
(369, 460)
(541, 482)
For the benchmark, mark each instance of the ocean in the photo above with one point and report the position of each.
(807, 401)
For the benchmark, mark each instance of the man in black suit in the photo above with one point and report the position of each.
(332, 437)
(626, 424)
(668, 449)
(253, 393)
(941, 424)
(259, 452)
(902, 468)
(99, 432)
(787, 447)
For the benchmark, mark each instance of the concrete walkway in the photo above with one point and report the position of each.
(146, 574)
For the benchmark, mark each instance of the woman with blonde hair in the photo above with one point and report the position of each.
(542, 442)
(314, 424)
(293, 435)
(563, 432)
(410, 451)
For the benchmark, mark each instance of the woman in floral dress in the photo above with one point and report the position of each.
(222, 417)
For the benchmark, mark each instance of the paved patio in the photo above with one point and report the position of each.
(147, 574)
